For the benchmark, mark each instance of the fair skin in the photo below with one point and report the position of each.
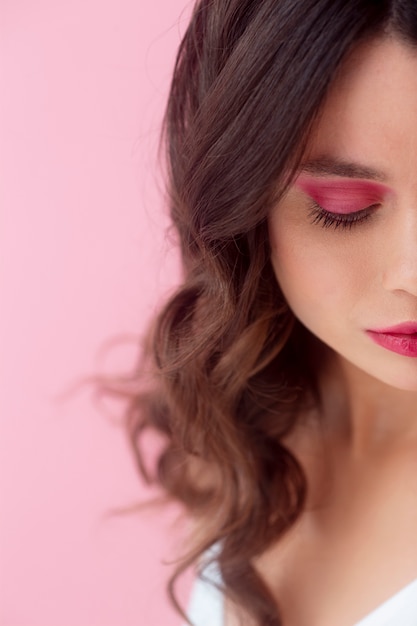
(355, 546)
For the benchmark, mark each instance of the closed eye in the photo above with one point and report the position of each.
(326, 219)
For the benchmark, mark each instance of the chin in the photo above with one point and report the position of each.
(392, 370)
(405, 383)
(402, 378)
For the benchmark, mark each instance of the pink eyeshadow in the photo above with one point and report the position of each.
(342, 195)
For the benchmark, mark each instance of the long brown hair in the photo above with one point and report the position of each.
(231, 372)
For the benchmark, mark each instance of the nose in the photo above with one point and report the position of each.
(400, 253)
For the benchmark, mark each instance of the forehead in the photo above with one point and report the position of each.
(370, 113)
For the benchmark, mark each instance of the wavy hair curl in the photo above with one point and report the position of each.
(231, 370)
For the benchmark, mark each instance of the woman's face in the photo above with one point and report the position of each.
(344, 238)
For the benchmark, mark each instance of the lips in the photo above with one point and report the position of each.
(401, 338)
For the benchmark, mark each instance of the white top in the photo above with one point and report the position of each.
(206, 605)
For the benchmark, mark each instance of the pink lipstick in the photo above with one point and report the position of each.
(401, 338)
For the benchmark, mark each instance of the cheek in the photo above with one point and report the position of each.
(324, 275)
(305, 275)
(299, 255)
(319, 283)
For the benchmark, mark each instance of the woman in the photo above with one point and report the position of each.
(286, 363)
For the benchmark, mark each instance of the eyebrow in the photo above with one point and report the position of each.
(325, 166)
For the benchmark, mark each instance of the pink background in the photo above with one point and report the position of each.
(84, 257)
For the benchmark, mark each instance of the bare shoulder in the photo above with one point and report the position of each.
(230, 615)
(233, 616)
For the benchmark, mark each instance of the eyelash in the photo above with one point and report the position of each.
(327, 220)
